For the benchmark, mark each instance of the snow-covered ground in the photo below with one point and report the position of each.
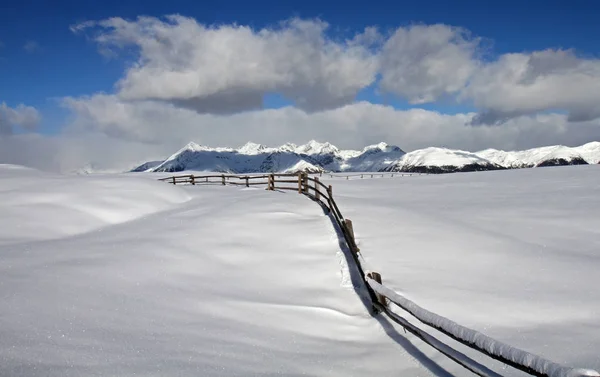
(514, 254)
(122, 275)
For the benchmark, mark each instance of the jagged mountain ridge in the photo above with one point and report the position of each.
(316, 157)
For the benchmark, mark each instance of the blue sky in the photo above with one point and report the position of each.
(464, 74)
(65, 64)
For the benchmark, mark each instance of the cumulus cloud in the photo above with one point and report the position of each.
(518, 84)
(26, 117)
(225, 69)
(424, 62)
(229, 68)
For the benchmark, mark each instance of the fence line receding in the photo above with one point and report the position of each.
(380, 295)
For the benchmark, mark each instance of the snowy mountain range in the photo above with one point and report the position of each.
(316, 157)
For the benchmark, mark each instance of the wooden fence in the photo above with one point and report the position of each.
(381, 295)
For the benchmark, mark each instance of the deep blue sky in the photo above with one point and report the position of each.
(69, 65)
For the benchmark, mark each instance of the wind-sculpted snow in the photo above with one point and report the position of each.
(38, 205)
(315, 156)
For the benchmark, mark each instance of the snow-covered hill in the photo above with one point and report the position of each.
(441, 160)
(545, 156)
(315, 157)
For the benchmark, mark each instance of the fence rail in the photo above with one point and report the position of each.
(380, 294)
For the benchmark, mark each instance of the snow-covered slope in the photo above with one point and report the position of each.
(441, 160)
(590, 152)
(147, 166)
(538, 157)
(513, 253)
(316, 156)
(38, 205)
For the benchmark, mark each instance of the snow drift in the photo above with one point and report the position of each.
(38, 205)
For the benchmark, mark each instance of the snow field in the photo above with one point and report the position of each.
(222, 281)
(513, 254)
(231, 282)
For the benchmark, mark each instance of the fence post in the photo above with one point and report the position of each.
(223, 179)
(377, 277)
(317, 195)
(193, 179)
(299, 182)
(350, 230)
(174, 180)
(247, 183)
(371, 175)
(347, 177)
(271, 182)
(392, 175)
(305, 183)
(361, 176)
(330, 197)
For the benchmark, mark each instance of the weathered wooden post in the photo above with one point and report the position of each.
(300, 182)
(361, 176)
(271, 182)
(317, 195)
(223, 179)
(350, 229)
(330, 197)
(305, 183)
(347, 177)
(392, 175)
(247, 182)
(371, 175)
(377, 277)
(193, 179)
(174, 180)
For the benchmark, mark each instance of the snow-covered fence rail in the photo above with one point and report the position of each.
(517, 358)
(380, 294)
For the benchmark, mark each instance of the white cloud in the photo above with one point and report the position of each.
(225, 69)
(518, 84)
(422, 63)
(26, 117)
(229, 68)
(350, 126)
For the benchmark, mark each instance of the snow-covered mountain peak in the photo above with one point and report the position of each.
(288, 147)
(194, 147)
(315, 147)
(383, 147)
(251, 148)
